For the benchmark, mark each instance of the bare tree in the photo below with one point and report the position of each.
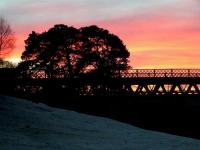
(7, 39)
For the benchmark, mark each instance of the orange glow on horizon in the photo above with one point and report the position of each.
(153, 43)
(14, 60)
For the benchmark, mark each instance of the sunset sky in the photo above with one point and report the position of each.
(158, 33)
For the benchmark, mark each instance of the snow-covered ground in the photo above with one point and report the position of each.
(28, 126)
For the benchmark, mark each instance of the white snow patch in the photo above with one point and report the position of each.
(28, 126)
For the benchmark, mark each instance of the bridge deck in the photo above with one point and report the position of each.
(161, 73)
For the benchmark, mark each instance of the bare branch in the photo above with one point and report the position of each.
(7, 39)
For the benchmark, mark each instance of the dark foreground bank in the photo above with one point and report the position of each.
(176, 114)
(30, 126)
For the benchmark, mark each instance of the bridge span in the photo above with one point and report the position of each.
(162, 81)
(133, 82)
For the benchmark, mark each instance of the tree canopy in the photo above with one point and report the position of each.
(66, 52)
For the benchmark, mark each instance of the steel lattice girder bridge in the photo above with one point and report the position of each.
(162, 81)
(134, 82)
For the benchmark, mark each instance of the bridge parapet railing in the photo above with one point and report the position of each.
(160, 73)
(131, 73)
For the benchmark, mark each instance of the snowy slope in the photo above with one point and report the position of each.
(28, 126)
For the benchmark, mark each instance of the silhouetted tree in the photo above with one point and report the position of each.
(7, 39)
(67, 52)
(104, 53)
(51, 51)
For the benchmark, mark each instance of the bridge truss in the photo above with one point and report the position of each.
(162, 81)
(131, 82)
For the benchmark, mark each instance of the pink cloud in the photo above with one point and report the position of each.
(157, 41)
